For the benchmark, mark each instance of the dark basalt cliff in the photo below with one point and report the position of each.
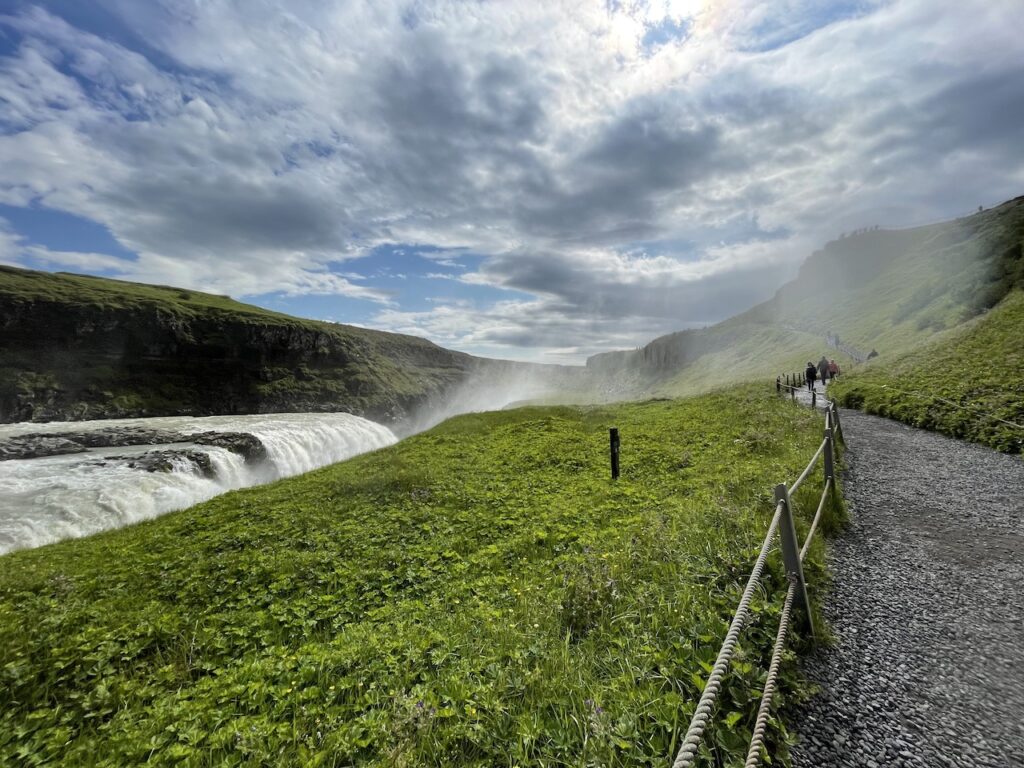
(75, 347)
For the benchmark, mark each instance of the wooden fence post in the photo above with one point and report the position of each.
(791, 552)
(830, 469)
(613, 435)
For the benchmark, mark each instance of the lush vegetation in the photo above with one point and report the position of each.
(968, 383)
(479, 594)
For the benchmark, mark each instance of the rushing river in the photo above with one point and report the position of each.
(58, 497)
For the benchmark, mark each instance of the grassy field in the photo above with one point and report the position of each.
(481, 594)
(968, 383)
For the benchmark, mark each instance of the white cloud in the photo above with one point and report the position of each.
(631, 189)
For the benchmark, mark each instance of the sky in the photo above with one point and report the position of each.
(527, 180)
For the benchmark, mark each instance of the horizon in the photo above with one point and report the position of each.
(537, 184)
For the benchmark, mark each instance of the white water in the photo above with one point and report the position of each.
(58, 497)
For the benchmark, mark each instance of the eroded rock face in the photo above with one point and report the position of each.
(242, 443)
(100, 349)
(166, 461)
(37, 445)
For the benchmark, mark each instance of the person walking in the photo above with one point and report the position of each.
(833, 369)
(811, 373)
(823, 370)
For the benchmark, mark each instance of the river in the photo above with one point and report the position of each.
(58, 497)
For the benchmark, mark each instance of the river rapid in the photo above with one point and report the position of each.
(50, 498)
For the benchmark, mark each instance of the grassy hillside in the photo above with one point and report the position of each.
(85, 347)
(888, 290)
(967, 383)
(480, 594)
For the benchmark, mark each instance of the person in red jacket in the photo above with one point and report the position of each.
(833, 368)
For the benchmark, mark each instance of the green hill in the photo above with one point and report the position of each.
(76, 347)
(967, 383)
(479, 594)
(886, 290)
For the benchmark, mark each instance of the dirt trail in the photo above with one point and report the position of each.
(927, 608)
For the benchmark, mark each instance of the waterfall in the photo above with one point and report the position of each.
(57, 497)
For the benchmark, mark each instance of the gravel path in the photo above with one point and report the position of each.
(927, 608)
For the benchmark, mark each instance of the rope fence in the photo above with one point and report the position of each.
(782, 524)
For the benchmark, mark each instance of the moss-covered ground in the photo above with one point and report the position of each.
(968, 383)
(481, 594)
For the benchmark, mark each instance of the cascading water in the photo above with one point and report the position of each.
(56, 497)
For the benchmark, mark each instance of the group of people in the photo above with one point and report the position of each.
(825, 369)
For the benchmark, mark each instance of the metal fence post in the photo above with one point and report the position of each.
(791, 551)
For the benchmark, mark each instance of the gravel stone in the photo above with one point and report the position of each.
(927, 608)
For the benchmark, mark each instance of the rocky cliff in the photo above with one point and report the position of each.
(77, 347)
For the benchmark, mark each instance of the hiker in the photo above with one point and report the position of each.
(823, 369)
(833, 368)
(872, 353)
(811, 373)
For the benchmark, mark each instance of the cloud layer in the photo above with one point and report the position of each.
(621, 169)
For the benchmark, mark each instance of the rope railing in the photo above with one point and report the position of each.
(810, 466)
(763, 711)
(781, 524)
(702, 714)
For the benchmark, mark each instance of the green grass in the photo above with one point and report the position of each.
(962, 384)
(480, 594)
(103, 293)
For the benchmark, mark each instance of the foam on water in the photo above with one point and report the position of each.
(46, 499)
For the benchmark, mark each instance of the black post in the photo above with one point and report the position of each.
(787, 379)
(613, 435)
(778, 384)
(814, 398)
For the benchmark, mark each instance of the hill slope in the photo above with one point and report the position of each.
(76, 347)
(888, 290)
(968, 383)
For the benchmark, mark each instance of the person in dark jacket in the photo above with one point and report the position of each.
(812, 374)
(823, 369)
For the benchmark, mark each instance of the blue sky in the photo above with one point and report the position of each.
(533, 181)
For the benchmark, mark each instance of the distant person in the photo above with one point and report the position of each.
(872, 353)
(833, 368)
(823, 369)
(811, 373)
